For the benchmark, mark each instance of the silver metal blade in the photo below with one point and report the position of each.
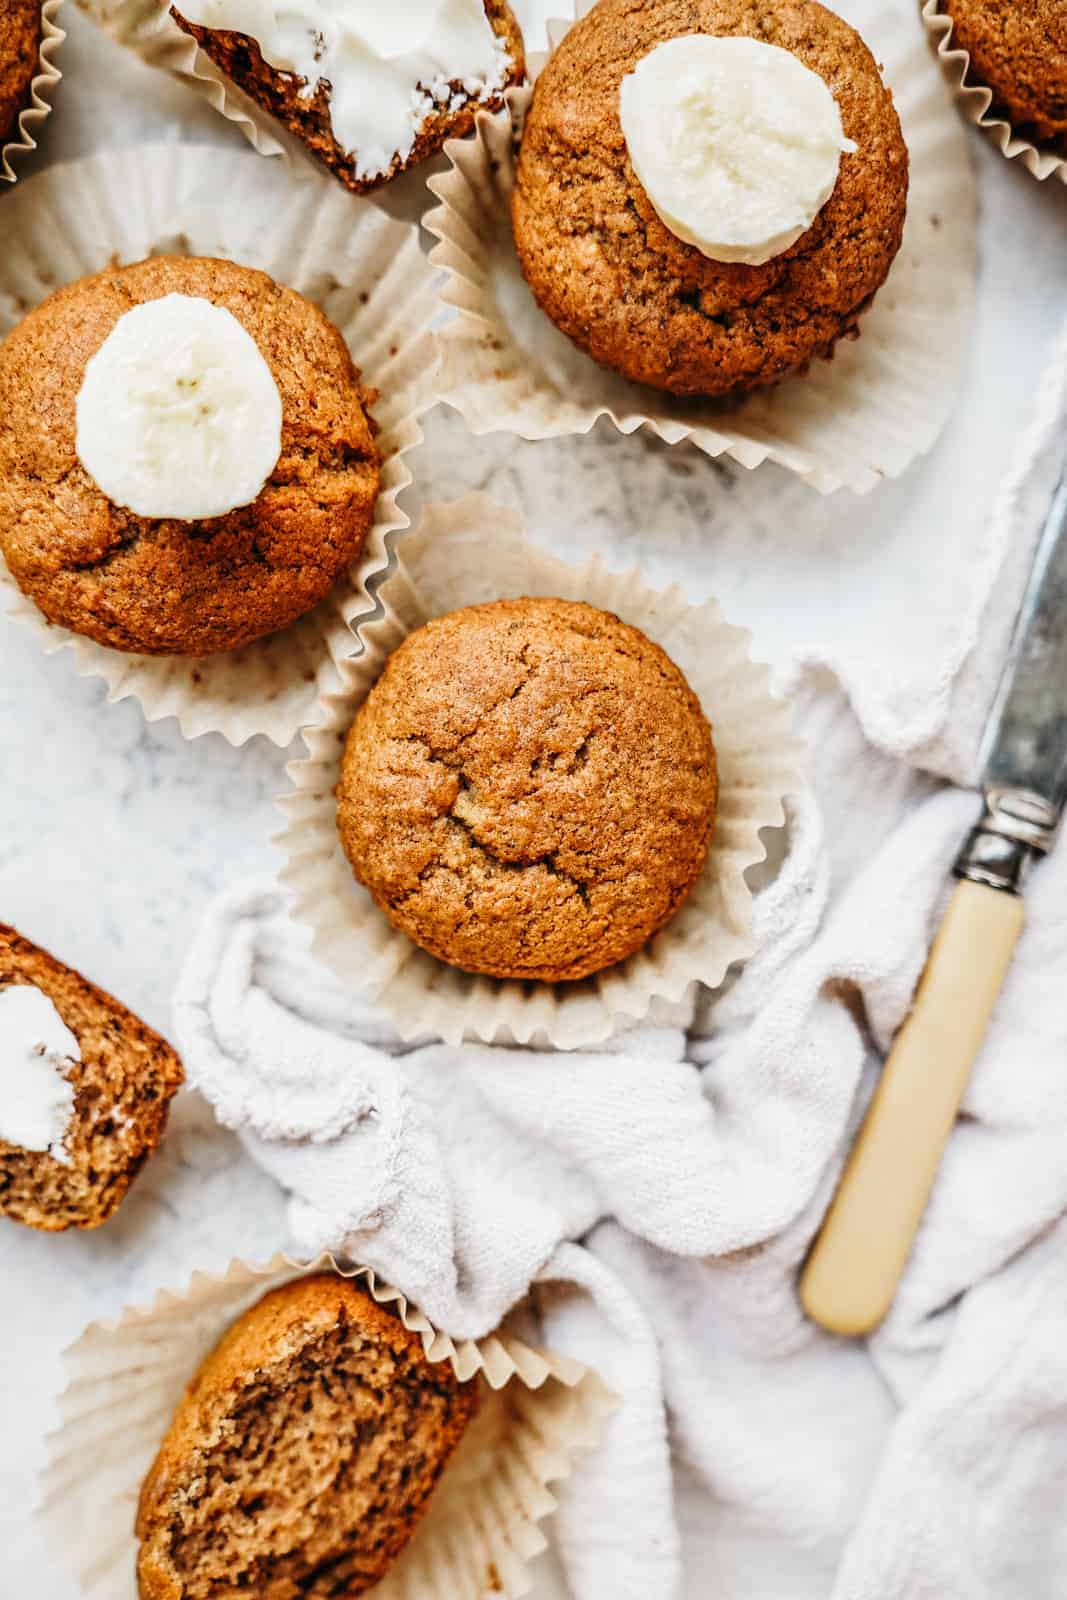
(1025, 743)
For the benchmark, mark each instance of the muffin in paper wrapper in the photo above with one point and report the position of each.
(472, 551)
(147, 28)
(539, 1413)
(371, 279)
(976, 101)
(42, 89)
(849, 422)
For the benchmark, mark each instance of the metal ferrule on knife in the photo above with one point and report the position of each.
(1016, 827)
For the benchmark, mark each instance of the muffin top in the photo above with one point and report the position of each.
(167, 584)
(627, 289)
(529, 790)
(20, 38)
(1019, 50)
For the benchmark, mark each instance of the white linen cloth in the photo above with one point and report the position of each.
(662, 1191)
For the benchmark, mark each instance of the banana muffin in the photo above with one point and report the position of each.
(85, 1088)
(430, 68)
(770, 202)
(529, 790)
(20, 39)
(1018, 49)
(186, 457)
(303, 1454)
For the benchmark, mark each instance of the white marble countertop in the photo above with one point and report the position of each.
(113, 835)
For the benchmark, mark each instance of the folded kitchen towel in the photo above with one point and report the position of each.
(661, 1191)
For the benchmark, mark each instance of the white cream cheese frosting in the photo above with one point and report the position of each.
(36, 1052)
(389, 63)
(736, 142)
(178, 414)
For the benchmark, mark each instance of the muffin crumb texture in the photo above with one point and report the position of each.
(1018, 49)
(638, 299)
(122, 1085)
(163, 586)
(529, 790)
(303, 1454)
(20, 42)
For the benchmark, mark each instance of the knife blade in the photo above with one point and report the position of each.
(1024, 749)
(850, 1277)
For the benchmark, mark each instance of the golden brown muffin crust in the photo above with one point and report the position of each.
(1018, 48)
(123, 1086)
(308, 116)
(20, 41)
(164, 586)
(627, 290)
(303, 1454)
(529, 790)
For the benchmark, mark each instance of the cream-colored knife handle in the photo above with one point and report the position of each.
(851, 1275)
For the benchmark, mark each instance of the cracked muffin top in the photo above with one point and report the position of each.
(1019, 51)
(529, 789)
(20, 39)
(633, 294)
(168, 585)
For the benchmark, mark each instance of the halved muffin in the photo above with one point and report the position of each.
(303, 1453)
(114, 1078)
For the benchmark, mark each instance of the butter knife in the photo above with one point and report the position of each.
(851, 1274)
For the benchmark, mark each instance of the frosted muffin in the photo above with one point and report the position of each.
(709, 193)
(85, 1088)
(20, 42)
(369, 89)
(187, 462)
(303, 1454)
(1018, 49)
(529, 790)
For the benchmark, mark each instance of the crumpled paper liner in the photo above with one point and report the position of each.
(975, 100)
(473, 550)
(147, 28)
(367, 273)
(849, 422)
(124, 1379)
(42, 89)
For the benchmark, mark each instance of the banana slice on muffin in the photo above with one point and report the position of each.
(529, 789)
(187, 461)
(303, 1454)
(369, 89)
(85, 1088)
(709, 193)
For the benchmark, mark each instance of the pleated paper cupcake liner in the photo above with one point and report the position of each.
(472, 551)
(539, 1413)
(371, 279)
(42, 90)
(849, 422)
(976, 102)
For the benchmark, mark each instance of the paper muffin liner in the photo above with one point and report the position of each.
(147, 28)
(976, 100)
(539, 1413)
(471, 551)
(368, 274)
(42, 89)
(849, 422)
